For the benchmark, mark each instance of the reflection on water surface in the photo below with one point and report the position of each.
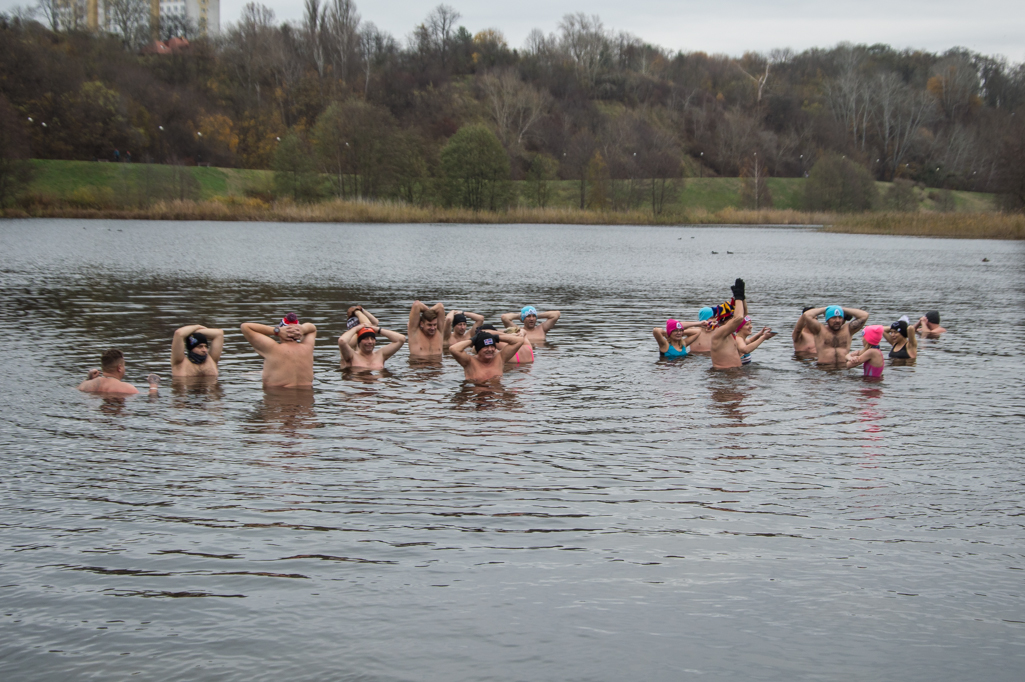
(599, 515)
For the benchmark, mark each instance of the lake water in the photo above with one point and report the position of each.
(600, 516)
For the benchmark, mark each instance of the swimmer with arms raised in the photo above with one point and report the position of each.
(529, 316)
(455, 327)
(833, 339)
(364, 356)
(488, 362)
(358, 316)
(109, 379)
(725, 351)
(286, 349)
(869, 357)
(525, 355)
(676, 337)
(804, 340)
(196, 350)
(929, 325)
(747, 342)
(424, 337)
(904, 339)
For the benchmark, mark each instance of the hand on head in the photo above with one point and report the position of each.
(291, 332)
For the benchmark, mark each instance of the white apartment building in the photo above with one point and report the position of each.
(205, 14)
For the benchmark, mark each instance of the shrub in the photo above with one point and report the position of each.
(900, 196)
(476, 170)
(839, 184)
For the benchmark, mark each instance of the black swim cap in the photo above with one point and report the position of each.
(458, 318)
(488, 326)
(481, 340)
(933, 316)
(194, 339)
(901, 326)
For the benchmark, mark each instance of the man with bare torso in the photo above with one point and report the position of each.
(804, 340)
(286, 349)
(196, 350)
(489, 362)
(109, 378)
(455, 327)
(535, 333)
(725, 353)
(425, 338)
(364, 356)
(929, 325)
(833, 339)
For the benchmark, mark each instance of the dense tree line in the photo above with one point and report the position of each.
(622, 118)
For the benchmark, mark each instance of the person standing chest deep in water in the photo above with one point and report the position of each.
(833, 339)
(286, 349)
(196, 350)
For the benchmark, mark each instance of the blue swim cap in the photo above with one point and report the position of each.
(705, 314)
(527, 310)
(833, 311)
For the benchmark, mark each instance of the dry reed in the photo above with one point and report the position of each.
(957, 225)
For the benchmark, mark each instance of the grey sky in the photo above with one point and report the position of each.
(723, 26)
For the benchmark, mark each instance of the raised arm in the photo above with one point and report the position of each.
(798, 329)
(514, 341)
(660, 337)
(446, 331)
(308, 331)
(370, 321)
(550, 318)
(259, 337)
(812, 324)
(413, 325)
(860, 318)
(178, 342)
(397, 340)
(345, 343)
(458, 351)
(478, 320)
(508, 319)
(735, 322)
(216, 339)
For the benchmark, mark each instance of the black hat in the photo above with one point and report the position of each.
(481, 340)
(194, 339)
(458, 318)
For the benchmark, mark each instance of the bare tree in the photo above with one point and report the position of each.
(901, 112)
(312, 32)
(586, 42)
(848, 95)
(341, 37)
(441, 23)
(248, 46)
(516, 106)
(128, 19)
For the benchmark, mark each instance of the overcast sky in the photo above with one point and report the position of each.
(721, 26)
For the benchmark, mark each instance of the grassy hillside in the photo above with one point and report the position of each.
(86, 183)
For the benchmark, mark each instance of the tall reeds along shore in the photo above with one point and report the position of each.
(923, 224)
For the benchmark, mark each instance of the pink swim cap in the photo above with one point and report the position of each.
(673, 325)
(874, 334)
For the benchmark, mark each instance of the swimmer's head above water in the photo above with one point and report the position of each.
(486, 346)
(900, 326)
(459, 323)
(873, 334)
(429, 322)
(366, 339)
(705, 314)
(835, 317)
(528, 316)
(674, 327)
(933, 317)
(196, 347)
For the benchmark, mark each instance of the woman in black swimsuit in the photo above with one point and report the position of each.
(904, 340)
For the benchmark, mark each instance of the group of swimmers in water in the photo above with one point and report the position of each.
(725, 332)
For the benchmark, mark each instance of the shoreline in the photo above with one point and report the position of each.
(921, 224)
